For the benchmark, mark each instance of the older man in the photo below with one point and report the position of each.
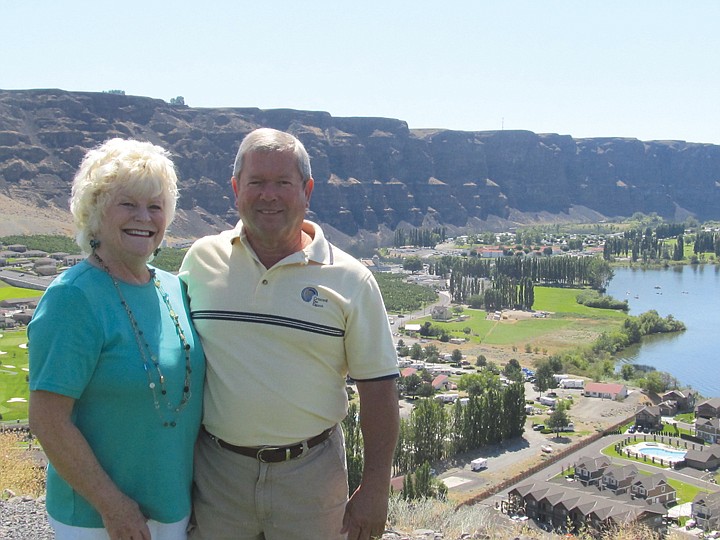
(285, 317)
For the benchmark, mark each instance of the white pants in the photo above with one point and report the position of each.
(158, 531)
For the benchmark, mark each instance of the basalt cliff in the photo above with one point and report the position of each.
(372, 175)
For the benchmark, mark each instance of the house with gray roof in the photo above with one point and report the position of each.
(618, 478)
(655, 489)
(706, 458)
(589, 470)
(576, 506)
(706, 510)
(708, 409)
(708, 429)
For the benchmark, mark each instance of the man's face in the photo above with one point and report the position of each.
(271, 198)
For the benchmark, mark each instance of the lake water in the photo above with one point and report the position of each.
(691, 294)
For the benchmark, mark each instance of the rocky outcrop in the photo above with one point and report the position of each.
(372, 174)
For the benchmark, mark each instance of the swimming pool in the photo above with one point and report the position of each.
(657, 450)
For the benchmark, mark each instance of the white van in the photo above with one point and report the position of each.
(478, 464)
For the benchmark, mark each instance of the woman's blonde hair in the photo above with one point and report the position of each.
(138, 168)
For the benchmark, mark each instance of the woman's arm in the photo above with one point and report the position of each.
(73, 459)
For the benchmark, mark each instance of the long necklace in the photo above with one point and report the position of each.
(150, 360)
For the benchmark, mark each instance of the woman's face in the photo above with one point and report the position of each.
(132, 227)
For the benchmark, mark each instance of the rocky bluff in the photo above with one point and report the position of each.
(372, 174)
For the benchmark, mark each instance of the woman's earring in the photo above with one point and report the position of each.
(94, 244)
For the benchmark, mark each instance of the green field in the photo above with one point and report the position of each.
(568, 317)
(13, 375)
(14, 361)
(9, 293)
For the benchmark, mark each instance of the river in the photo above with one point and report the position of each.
(691, 294)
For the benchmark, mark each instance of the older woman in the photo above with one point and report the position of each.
(116, 369)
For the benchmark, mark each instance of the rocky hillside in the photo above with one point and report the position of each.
(372, 174)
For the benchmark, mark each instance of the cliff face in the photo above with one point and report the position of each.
(371, 174)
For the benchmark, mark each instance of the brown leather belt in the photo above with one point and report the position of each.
(273, 454)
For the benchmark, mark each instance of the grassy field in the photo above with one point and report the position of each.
(13, 375)
(570, 324)
(8, 292)
(14, 361)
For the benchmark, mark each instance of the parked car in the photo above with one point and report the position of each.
(538, 427)
(546, 448)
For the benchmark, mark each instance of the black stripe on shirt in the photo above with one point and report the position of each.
(264, 318)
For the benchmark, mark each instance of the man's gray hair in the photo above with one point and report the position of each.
(272, 140)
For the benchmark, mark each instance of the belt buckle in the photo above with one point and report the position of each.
(259, 455)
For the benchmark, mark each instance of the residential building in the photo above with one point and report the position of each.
(654, 489)
(708, 429)
(581, 506)
(649, 417)
(618, 478)
(606, 390)
(589, 470)
(684, 399)
(706, 510)
(707, 458)
(708, 409)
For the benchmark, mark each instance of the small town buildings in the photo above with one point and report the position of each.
(708, 409)
(706, 458)
(708, 429)
(618, 478)
(441, 382)
(606, 390)
(654, 489)
(706, 510)
(649, 417)
(19, 303)
(580, 506)
(684, 400)
(589, 470)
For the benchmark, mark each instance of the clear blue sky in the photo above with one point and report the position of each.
(648, 69)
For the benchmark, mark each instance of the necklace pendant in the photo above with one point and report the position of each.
(151, 386)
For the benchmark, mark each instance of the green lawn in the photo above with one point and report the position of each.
(7, 292)
(562, 301)
(567, 315)
(13, 375)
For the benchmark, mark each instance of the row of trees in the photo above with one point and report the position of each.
(508, 292)
(491, 414)
(509, 282)
(648, 244)
(420, 237)
(707, 242)
(564, 270)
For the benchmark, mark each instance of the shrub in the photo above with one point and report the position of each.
(19, 472)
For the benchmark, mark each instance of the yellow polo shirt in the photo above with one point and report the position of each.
(280, 342)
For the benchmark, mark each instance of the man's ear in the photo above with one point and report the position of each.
(309, 185)
(233, 182)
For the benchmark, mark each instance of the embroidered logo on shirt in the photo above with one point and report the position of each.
(312, 297)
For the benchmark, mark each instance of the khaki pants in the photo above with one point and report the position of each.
(239, 498)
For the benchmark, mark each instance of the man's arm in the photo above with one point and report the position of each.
(366, 512)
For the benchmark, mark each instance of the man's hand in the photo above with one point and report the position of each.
(366, 514)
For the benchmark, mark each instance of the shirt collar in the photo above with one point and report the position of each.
(319, 251)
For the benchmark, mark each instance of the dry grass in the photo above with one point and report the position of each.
(479, 521)
(19, 472)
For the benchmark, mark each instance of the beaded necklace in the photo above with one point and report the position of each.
(150, 360)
